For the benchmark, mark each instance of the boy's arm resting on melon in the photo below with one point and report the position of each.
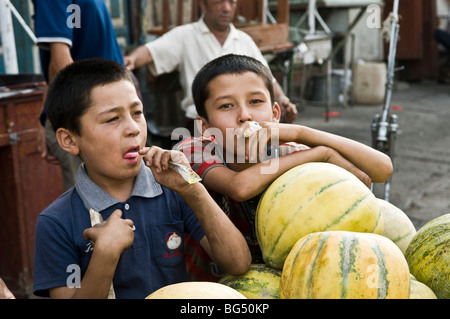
(252, 181)
(223, 242)
(377, 165)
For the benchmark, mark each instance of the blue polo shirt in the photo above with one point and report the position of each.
(156, 258)
(86, 27)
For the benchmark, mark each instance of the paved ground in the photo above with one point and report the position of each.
(421, 180)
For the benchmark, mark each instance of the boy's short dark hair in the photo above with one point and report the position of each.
(69, 95)
(227, 64)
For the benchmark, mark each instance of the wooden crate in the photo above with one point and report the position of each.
(269, 37)
(28, 185)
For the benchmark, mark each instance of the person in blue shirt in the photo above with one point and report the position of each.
(119, 232)
(67, 31)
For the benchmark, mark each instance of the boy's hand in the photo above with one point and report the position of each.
(256, 145)
(157, 159)
(335, 158)
(363, 177)
(115, 233)
(270, 133)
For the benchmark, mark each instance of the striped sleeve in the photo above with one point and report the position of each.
(203, 154)
(292, 147)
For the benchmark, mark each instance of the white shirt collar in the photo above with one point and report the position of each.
(204, 28)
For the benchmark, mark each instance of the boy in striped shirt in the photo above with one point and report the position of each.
(233, 94)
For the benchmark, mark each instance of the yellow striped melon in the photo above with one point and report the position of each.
(345, 265)
(196, 290)
(420, 291)
(397, 225)
(428, 255)
(260, 282)
(310, 198)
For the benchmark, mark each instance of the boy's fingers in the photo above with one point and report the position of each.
(239, 131)
(150, 154)
(253, 147)
(179, 158)
(89, 233)
(257, 145)
(161, 158)
(165, 158)
(116, 214)
(262, 143)
(157, 161)
(144, 151)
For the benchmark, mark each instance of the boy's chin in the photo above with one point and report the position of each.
(131, 169)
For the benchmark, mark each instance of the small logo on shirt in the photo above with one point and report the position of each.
(173, 241)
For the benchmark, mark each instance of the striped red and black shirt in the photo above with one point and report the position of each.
(204, 154)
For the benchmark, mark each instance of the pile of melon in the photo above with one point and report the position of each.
(330, 237)
(324, 235)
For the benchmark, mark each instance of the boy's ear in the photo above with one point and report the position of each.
(201, 121)
(276, 113)
(68, 141)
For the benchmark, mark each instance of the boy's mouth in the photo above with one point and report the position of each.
(132, 153)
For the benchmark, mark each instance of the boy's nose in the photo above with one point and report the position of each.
(244, 115)
(132, 127)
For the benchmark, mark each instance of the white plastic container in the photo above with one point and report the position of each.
(369, 83)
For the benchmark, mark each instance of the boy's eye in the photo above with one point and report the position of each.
(226, 106)
(112, 119)
(256, 101)
(138, 113)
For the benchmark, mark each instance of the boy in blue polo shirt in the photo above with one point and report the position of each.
(120, 231)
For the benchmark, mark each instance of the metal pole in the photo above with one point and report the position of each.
(265, 10)
(385, 126)
(312, 16)
(21, 21)
(8, 40)
(391, 60)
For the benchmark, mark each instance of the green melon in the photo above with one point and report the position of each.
(345, 265)
(420, 291)
(428, 255)
(310, 198)
(397, 225)
(260, 282)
